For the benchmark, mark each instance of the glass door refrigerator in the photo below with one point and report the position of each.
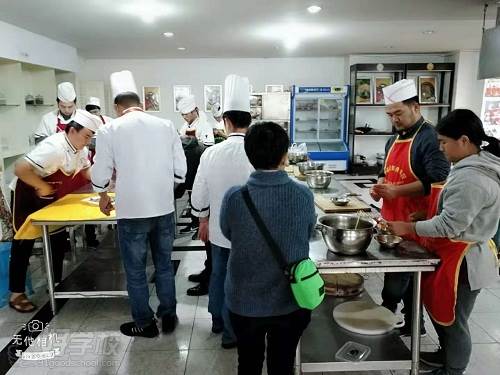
(319, 118)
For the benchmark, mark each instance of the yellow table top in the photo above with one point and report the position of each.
(70, 209)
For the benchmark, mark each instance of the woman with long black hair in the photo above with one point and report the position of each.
(463, 217)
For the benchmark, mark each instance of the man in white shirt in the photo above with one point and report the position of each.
(221, 167)
(56, 121)
(195, 123)
(55, 167)
(147, 154)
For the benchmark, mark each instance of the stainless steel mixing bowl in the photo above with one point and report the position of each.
(306, 166)
(340, 235)
(319, 179)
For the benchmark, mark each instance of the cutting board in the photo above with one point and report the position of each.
(328, 207)
(365, 318)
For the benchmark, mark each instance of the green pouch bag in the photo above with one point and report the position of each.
(307, 285)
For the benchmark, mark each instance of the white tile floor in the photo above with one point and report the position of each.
(90, 342)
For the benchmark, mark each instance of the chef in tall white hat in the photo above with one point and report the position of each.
(147, 155)
(195, 122)
(94, 106)
(413, 162)
(221, 167)
(56, 121)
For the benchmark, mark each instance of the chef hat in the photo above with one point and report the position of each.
(66, 92)
(399, 91)
(186, 104)
(217, 110)
(237, 93)
(122, 82)
(94, 101)
(87, 119)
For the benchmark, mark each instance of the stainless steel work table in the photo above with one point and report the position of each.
(323, 337)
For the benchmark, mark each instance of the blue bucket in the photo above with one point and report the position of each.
(4, 274)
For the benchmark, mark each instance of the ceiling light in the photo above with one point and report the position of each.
(314, 9)
(181, 48)
(290, 44)
(148, 11)
(168, 34)
(428, 32)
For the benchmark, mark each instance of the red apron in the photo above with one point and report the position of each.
(60, 127)
(439, 288)
(26, 201)
(398, 171)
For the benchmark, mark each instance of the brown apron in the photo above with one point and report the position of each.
(26, 201)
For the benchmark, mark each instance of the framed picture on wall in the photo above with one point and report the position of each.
(151, 98)
(180, 91)
(364, 91)
(380, 83)
(427, 90)
(274, 88)
(213, 95)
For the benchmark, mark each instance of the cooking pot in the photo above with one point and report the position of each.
(318, 179)
(340, 235)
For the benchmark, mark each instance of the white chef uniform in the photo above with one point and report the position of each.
(223, 165)
(53, 121)
(217, 112)
(57, 153)
(203, 131)
(97, 102)
(145, 178)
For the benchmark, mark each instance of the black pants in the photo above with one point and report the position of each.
(20, 257)
(399, 286)
(283, 333)
(90, 235)
(207, 271)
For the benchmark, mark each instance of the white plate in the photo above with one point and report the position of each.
(366, 318)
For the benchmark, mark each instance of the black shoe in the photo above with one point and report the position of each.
(434, 359)
(406, 330)
(199, 290)
(198, 277)
(194, 237)
(188, 229)
(93, 243)
(229, 345)
(168, 323)
(131, 329)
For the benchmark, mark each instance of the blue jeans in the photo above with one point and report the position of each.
(216, 297)
(135, 236)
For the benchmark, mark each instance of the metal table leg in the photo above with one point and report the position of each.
(298, 370)
(47, 251)
(415, 334)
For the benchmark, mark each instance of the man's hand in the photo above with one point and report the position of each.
(418, 216)
(374, 195)
(401, 228)
(45, 190)
(105, 204)
(385, 191)
(203, 229)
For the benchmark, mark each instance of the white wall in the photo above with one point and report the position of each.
(468, 89)
(197, 72)
(22, 45)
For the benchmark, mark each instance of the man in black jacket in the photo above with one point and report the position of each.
(193, 150)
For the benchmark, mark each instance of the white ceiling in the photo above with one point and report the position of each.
(252, 28)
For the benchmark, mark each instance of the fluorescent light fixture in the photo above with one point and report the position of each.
(168, 34)
(181, 48)
(147, 10)
(313, 9)
(291, 34)
(428, 32)
(290, 44)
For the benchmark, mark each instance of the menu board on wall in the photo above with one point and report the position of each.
(490, 112)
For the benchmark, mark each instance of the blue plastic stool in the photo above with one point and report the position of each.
(4, 274)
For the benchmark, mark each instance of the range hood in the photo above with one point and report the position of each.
(489, 57)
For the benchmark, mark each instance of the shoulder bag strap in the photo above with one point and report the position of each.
(263, 229)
